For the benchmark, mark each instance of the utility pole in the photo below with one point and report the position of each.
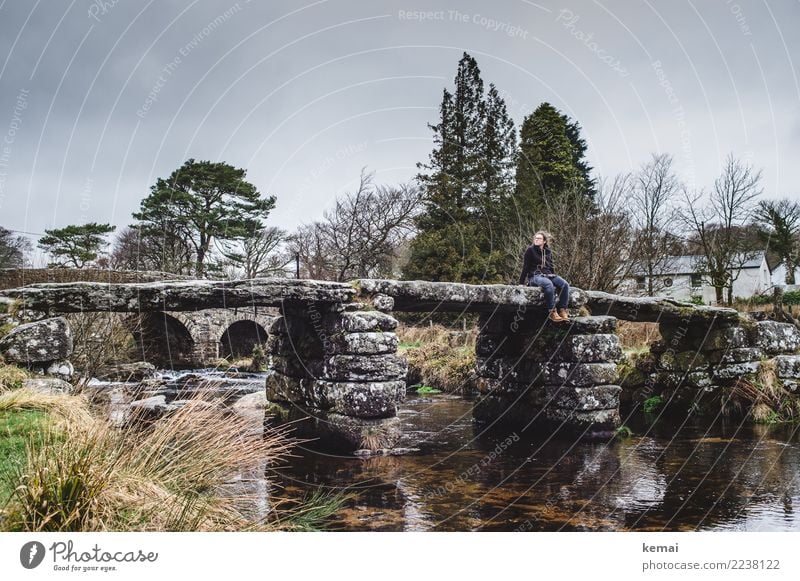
(297, 264)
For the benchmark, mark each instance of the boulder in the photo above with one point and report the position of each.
(374, 399)
(776, 338)
(49, 385)
(787, 366)
(60, 369)
(137, 371)
(151, 409)
(38, 342)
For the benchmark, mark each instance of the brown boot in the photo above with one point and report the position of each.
(564, 314)
(553, 316)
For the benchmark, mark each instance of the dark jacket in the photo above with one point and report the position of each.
(535, 262)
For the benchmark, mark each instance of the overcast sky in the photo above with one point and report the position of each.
(100, 98)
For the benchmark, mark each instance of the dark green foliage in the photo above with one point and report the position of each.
(779, 228)
(203, 202)
(74, 245)
(467, 185)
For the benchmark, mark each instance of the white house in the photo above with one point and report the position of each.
(681, 279)
(779, 275)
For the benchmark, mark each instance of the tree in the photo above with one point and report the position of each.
(655, 186)
(361, 236)
(549, 161)
(466, 184)
(74, 245)
(258, 255)
(12, 249)
(716, 224)
(154, 248)
(205, 202)
(779, 225)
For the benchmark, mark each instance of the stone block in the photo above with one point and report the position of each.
(599, 397)
(579, 374)
(37, 342)
(594, 420)
(682, 361)
(494, 344)
(735, 370)
(295, 367)
(365, 367)
(777, 338)
(362, 400)
(363, 343)
(739, 355)
(787, 366)
(727, 338)
(283, 388)
(299, 346)
(360, 322)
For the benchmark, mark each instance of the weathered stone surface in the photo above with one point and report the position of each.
(61, 369)
(599, 397)
(298, 367)
(729, 338)
(38, 342)
(425, 296)
(360, 322)
(362, 400)
(596, 420)
(299, 346)
(383, 302)
(534, 393)
(579, 374)
(49, 385)
(365, 367)
(735, 355)
(284, 388)
(735, 370)
(363, 343)
(599, 348)
(338, 431)
(177, 295)
(489, 344)
(682, 361)
(499, 409)
(151, 408)
(656, 309)
(776, 338)
(127, 372)
(788, 366)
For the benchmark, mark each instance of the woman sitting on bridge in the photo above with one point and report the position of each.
(537, 269)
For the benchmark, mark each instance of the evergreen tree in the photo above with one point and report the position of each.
(468, 179)
(75, 246)
(549, 161)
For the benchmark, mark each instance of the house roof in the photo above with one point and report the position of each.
(690, 264)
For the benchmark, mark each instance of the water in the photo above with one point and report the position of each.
(723, 475)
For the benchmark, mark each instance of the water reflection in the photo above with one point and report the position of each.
(723, 476)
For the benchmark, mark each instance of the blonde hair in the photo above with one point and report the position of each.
(547, 237)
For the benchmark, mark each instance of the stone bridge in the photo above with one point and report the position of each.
(334, 356)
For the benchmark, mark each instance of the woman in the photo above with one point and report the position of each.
(537, 269)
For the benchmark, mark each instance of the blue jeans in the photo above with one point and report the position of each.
(548, 286)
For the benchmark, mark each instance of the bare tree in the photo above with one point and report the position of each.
(655, 186)
(362, 235)
(147, 249)
(258, 255)
(13, 249)
(715, 221)
(782, 232)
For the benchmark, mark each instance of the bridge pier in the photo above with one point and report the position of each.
(335, 372)
(535, 373)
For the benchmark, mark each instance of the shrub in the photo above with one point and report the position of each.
(650, 405)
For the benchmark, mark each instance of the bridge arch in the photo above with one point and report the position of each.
(241, 336)
(164, 339)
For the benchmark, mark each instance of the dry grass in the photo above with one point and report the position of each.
(100, 340)
(637, 336)
(87, 475)
(440, 357)
(765, 398)
(11, 377)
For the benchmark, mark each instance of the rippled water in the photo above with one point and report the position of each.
(725, 475)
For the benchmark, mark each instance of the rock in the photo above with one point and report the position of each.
(682, 361)
(729, 339)
(365, 367)
(425, 296)
(735, 370)
(39, 342)
(584, 420)
(284, 388)
(599, 397)
(301, 346)
(579, 374)
(599, 348)
(137, 371)
(658, 310)
(777, 338)
(361, 322)
(376, 399)
(150, 409)
(190, 295)
(740, 355)
(495, 344)
(787, 366)
(60, 369)
(251, 401)
(303, 368)
(363, 453)
(49, 386)
(498, 409)
(383, 302)
(364, 343)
